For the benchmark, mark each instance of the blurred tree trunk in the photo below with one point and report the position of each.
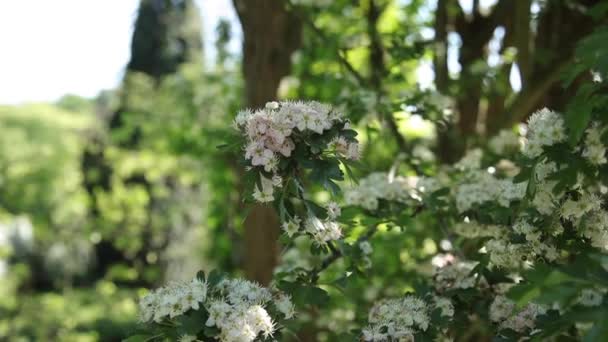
(271, 35)
(561, 24)
(486, 105)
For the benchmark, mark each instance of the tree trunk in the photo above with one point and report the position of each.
(271, 35)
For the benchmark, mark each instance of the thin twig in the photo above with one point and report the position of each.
(306, 20)
(337, 254)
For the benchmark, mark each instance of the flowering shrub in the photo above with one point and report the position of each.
(523, 222)
(541, 236)
(216, 307)
(289, 144)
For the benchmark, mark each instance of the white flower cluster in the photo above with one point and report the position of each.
(456, 275)
(503, 312)
(444, 305)
(583, 210)
(240, 323)
(323, 231)
(397, 319)
(505, 141)
(504, 254)
(273, 132)
(594, 150)
(574, 210)
(342, 147)
(470, 161)
(595, 228)
(545, 128)
(481, 187)
(291, 227)
(545, 200)
(591, 297)
(236, 307)
(379, 186)
(533, 236)
(172, 300)
(266, 193)
(537, 244)
(428, 185)
(239, 310)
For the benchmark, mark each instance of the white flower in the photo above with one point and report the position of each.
(272, 105)
(544, 199)
(323, 232)
(594, 150)
(591, 297)
(197, 293)
(482, 187)
(400, 318)
(147, 306)
(291, 227)
(353, 151)
(597, 77)
(501, 308)
(444, 305)
(258, 153)
(217, 312)
(455, 276)
(172, 300)
(266, 193)
(587, 202)
(339, 144)
(176, 307)
(333, 210)
(260, 321)
(544, 169)
(524, 319)
(545, 128)
(187, 338)
(285, 306)
(277, 181)
(241, 118)
(378, 186)
(366, 247)
(595, 228)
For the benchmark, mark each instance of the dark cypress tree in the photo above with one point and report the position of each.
(167, 33)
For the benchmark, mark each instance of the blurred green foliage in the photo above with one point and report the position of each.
(110, 216)
(100, 313)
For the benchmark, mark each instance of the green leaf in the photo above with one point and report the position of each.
(599, 332)
(577, 116)
(214, 278)
(138, 338)
(192, 323)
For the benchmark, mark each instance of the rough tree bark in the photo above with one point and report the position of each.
(271, 35)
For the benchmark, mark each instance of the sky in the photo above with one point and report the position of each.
(49, 48)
